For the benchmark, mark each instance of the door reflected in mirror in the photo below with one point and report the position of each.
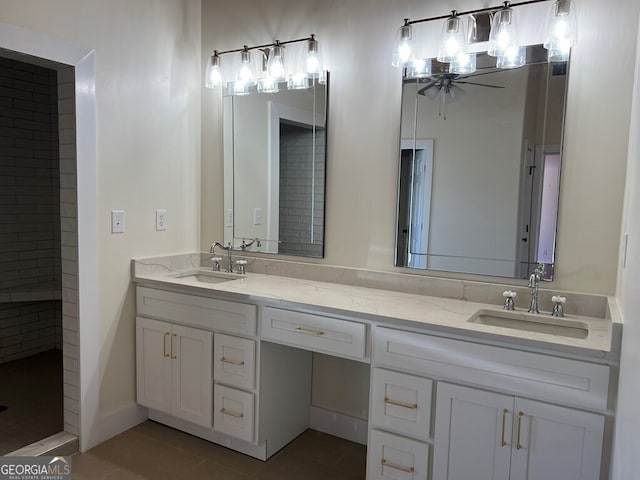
(275, 156)
(479, 168)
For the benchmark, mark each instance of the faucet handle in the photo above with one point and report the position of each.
(216, 263)
(508, 299)
(242, 264)
(558, 305)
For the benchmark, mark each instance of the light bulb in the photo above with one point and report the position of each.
(275, 63)
(213, 74)
(512, 58)
(245, 75)
(562, 30)
(420, 68)
(313, 60)
(504, 33)
(452, 39)
(403, 48)
(464, 63)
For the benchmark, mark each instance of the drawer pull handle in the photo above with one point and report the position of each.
(308, 331)
(232, 362)
(504, 419)
(173, 355)
(412, 406)
(224, 411)
(164, 347)
(397, 467)
(520, 415)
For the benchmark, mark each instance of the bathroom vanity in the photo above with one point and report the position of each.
(459, 389)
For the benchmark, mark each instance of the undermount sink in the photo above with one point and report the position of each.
(207, 276)
(539, 323)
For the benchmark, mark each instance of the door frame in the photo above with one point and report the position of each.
(83, 60)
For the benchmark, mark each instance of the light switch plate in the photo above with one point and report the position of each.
(161, 220)
(257, 216)
(229, 217)
(117, 221)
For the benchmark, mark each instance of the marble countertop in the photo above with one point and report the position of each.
(412, 310)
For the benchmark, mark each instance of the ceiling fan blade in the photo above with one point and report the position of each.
(427, 87)
(480, 84)
(477, 74)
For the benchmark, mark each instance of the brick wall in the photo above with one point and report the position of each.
(29, 176)
(299, 200)
(27, 328)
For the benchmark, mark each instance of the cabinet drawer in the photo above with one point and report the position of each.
(197, 311)
(233, 412)
(235, 360)
(537, 375)
(314, 332)
(401, 403)
(394, 457)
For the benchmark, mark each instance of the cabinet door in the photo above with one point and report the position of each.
(552, 442)
(192, 352)
(472, 434)
(153, 364)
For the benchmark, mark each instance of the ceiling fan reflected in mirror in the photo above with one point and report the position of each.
(445, 86)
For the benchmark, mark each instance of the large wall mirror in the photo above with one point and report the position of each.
(275, 157)
(479, 169)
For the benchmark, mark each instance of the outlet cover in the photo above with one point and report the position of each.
(229, 217)
(161, 220)
(117, 221)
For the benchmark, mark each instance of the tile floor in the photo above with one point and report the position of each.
(31, 388)
(154, 451)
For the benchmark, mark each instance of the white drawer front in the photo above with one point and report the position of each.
(314, 332)
(235, 361)
(197, 311)
(397, 458)
(233, 412)
(541, 376)
(401, 403)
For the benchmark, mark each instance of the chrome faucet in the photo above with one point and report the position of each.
(245, 245)
(534, 282)
(229, 249)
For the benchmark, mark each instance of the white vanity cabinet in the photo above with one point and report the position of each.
(491, 436)
(174, 369)
(484, 427)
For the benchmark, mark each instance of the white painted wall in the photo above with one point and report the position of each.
(148, 150)
(364, 118)
(364, 113)
(626, 463)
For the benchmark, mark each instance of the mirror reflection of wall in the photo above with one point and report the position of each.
(494, 184)
(275, 149)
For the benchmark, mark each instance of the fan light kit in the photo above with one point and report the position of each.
(503, 39)
(272, 74)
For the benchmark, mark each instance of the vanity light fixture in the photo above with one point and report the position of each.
(274, 74)
(503, 39)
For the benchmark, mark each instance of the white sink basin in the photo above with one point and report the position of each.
(207, 276)
(540, 323)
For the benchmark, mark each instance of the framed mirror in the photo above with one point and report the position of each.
(275, 158)
(479, 168)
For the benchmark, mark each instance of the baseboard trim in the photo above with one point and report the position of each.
(338, 424)
(115, 423)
